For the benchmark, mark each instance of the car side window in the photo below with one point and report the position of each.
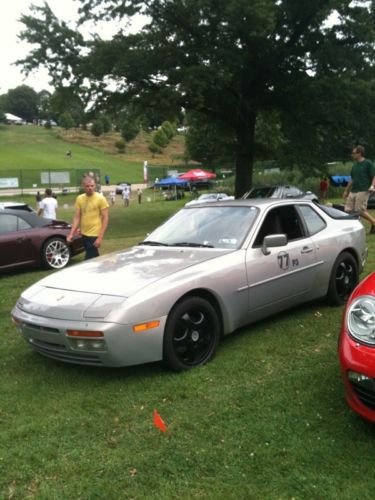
(8, 223)
(11, 223)
(281, 220)
(22, 224)
(313, 221)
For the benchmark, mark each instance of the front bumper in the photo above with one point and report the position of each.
(121, 346)
(358, 370)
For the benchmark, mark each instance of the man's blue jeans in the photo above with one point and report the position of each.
(88, 243)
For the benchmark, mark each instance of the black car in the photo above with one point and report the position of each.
(279, 191)
(27, 240)
(120, 187)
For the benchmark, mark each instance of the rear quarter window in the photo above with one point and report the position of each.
(313, 221)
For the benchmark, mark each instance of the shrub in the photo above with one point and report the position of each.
(154, 148)
(160, 138)
(97, 128)
(120, 145)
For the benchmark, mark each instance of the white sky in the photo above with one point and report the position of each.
(12, 48)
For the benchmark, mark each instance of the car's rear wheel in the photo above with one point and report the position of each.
(343, 280)
(55, 253)
(192, 334)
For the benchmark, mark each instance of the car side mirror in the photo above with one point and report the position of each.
(273, 240)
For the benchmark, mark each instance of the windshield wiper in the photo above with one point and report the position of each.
(154, 243)
(191, 244)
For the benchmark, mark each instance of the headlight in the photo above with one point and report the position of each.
(361, 319)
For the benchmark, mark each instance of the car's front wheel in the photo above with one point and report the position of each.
(55, 253)
(192, 334)
(343, 280)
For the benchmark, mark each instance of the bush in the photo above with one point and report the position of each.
(160, 138)
(154, 148)
(120, 145)
(97, 128)
(168, 129)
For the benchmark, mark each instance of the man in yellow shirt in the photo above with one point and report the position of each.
(91, 216)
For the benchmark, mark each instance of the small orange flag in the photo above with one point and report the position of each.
(158, 422)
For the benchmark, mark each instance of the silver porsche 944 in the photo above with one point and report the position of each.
(205, 272)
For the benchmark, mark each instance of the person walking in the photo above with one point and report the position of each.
(126, 195)
(360, 186)
(91, 217)
(139, 195)
(48, 205)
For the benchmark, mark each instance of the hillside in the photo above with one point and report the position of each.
(35, 148)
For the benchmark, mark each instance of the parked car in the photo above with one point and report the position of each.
(357, 349)
(279, 191)
(208, 270)
(15, 205)
(207, 197)
(27, 240)
(120, 187)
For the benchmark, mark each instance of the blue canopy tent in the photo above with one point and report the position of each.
(339, 180)
(170, 181)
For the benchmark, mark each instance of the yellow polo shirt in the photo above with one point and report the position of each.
(91, 213)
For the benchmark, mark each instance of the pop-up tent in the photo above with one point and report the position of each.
(339, 180)
(171, 181)
(197, 174)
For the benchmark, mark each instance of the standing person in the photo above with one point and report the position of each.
(106, 178)
(126, 195)
(38, 199)
(112, 197)
(91, 216)
(48, 205)
(323, 187)
(139, 195)
(360, 186)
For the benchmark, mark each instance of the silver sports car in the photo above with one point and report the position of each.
(205, 272)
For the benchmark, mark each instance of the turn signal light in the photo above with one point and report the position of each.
(142, 327)
(84, 333)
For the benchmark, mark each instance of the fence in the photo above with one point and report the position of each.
(34, 180)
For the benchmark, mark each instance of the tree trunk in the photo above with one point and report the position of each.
(245, 132)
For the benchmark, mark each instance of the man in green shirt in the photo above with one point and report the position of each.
(360, 186)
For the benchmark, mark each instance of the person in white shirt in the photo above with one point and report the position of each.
(48, 205)
(126, 195)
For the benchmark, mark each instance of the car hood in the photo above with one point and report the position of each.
(124, 273)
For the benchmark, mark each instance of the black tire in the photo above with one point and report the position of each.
(192, 334)
(55, 253)
(343, 280)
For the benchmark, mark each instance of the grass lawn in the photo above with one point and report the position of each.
(265, 419)
(36, 148)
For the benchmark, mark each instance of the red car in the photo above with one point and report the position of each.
(357, 349)
(27, 240)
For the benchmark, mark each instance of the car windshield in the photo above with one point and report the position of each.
(212, 227)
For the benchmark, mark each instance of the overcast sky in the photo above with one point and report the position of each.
(12, 48)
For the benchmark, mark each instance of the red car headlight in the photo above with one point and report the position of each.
(360, 319)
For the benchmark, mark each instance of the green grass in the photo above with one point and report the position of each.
(31, 148)
(266, 419)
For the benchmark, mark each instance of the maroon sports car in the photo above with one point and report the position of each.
(27, 240)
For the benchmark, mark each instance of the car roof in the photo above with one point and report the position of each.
(256, 202)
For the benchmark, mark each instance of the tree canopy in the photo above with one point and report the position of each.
(307, 62)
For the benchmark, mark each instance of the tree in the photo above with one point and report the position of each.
(23, 101)
(231, 60)
(97, 128)
(66, 121)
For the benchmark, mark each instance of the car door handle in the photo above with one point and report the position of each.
(306, 250)
(21, 239)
